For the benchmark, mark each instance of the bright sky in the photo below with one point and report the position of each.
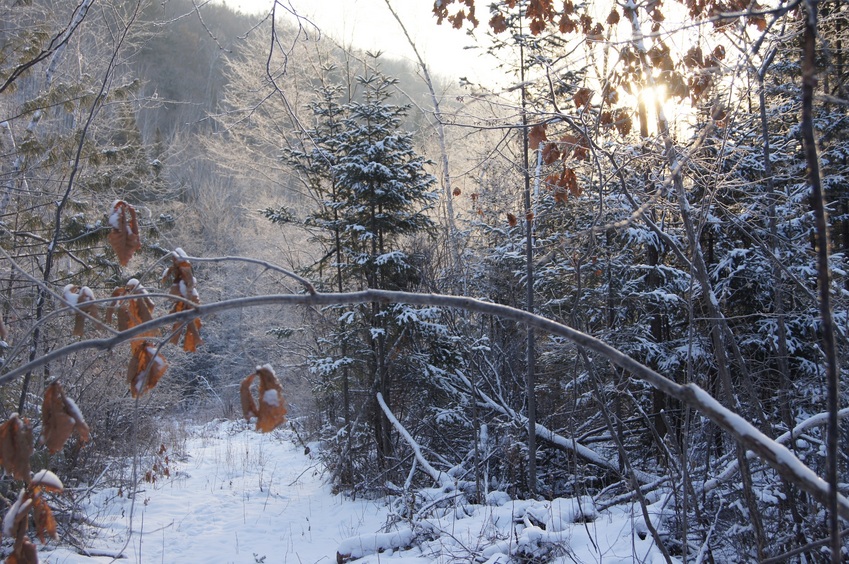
(368, 25)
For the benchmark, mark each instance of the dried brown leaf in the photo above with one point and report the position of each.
(582, 97)
(536, 135)
(146, 367)
(42, 515)
(60, 417)
(272, 405)
(550, 153)
(269, 407)
(16, 447)
(124, 236)
(25, 552)
(249, 408)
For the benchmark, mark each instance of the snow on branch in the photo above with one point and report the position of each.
(441, 478)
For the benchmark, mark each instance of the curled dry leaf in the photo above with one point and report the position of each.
(270, 410)
(582, 97)
(131, 311)
(511, 220)
(146, 367)
(498, 23)
(45, 524)
(249, 408)
(25, 552)
(16, 447)
(550, 153)
(623, 121)
(60, 417)
(124, 236)
(536, 135)
(80, 298)
(184, 285)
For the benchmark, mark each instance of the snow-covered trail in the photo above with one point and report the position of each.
(239, 496)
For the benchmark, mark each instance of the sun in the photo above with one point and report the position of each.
(654, 97)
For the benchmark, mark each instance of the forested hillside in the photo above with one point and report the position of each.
(620, 280)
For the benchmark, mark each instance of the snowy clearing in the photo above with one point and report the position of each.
(240, 496)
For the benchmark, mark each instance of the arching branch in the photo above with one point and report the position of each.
(777, 456)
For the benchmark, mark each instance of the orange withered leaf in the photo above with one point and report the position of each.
(694, 58)
(146, 367)
(757, 21)
(16, 447)
(456, 192)
(613, 17)
(567, 183)
(80, 298)
(582, 97)
(24, 552)
(498, 23)
(60, 417)
(249, 408)
(536, 135)
(130, 311)
(567, 24)
(270, 406)
(623, 122)
(511, 220)
(42, 515)
(124, 236)
(191, 330)
(184, 285)
(550, 153)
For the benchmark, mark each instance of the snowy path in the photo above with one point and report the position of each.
(243, 497)
(240, 497)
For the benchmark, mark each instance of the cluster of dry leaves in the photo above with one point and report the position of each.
(130, 306)
(60, 418)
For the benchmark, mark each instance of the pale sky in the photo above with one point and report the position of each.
(368, 25)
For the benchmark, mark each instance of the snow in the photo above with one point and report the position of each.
(115, 216)
(271, 397)
(74, 410)
(20, 506)
(233, 495)
(69, 295)
(48, 479)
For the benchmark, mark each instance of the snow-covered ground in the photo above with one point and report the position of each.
(243, 497)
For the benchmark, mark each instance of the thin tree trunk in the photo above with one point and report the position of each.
(530, 357)
(809, 82)
(447, 190)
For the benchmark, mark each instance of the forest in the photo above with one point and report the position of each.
(619, 278)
